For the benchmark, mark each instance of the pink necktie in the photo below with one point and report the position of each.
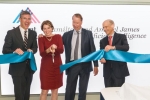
(109, 40)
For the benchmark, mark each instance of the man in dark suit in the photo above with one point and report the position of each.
(17, 41)
(114, 72)
(78, 43)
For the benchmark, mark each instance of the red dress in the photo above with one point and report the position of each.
(50, 75)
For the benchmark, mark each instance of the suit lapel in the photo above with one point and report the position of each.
(19, 36)
(115, 38)
(106, 41)
(82, 39)
(29, 38)
(69, 40)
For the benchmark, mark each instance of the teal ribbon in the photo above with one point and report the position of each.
(15, 58)
(115, 55)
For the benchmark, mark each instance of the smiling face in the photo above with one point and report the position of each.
(108, 27)
(47, 29)
(25, 21)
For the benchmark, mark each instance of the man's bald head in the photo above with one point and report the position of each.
(108, 26)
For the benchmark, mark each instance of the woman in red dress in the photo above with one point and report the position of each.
(50, 48)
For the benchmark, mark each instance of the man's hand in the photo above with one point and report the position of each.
(103, 61)
(19, 51)
(109, 47)
(95, 71)
(29, 50)
(40, 35)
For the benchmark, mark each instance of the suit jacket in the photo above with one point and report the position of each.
(14, 40)
(119, 69)
(87, 47)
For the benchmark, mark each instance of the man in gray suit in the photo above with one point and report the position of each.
(17, 41)
(78, 43)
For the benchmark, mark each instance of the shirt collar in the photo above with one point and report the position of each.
(78, 30)
(112, 35)
(22, 30)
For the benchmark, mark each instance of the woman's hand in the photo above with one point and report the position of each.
(52, 48)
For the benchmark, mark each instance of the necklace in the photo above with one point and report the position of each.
(48, 38)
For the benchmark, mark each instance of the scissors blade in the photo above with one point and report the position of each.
(53, 57)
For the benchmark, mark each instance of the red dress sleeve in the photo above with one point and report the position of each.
(41, 47)
(60, 47)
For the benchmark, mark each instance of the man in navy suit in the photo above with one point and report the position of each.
(114, 72)
(19, 40)
(78, 43)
